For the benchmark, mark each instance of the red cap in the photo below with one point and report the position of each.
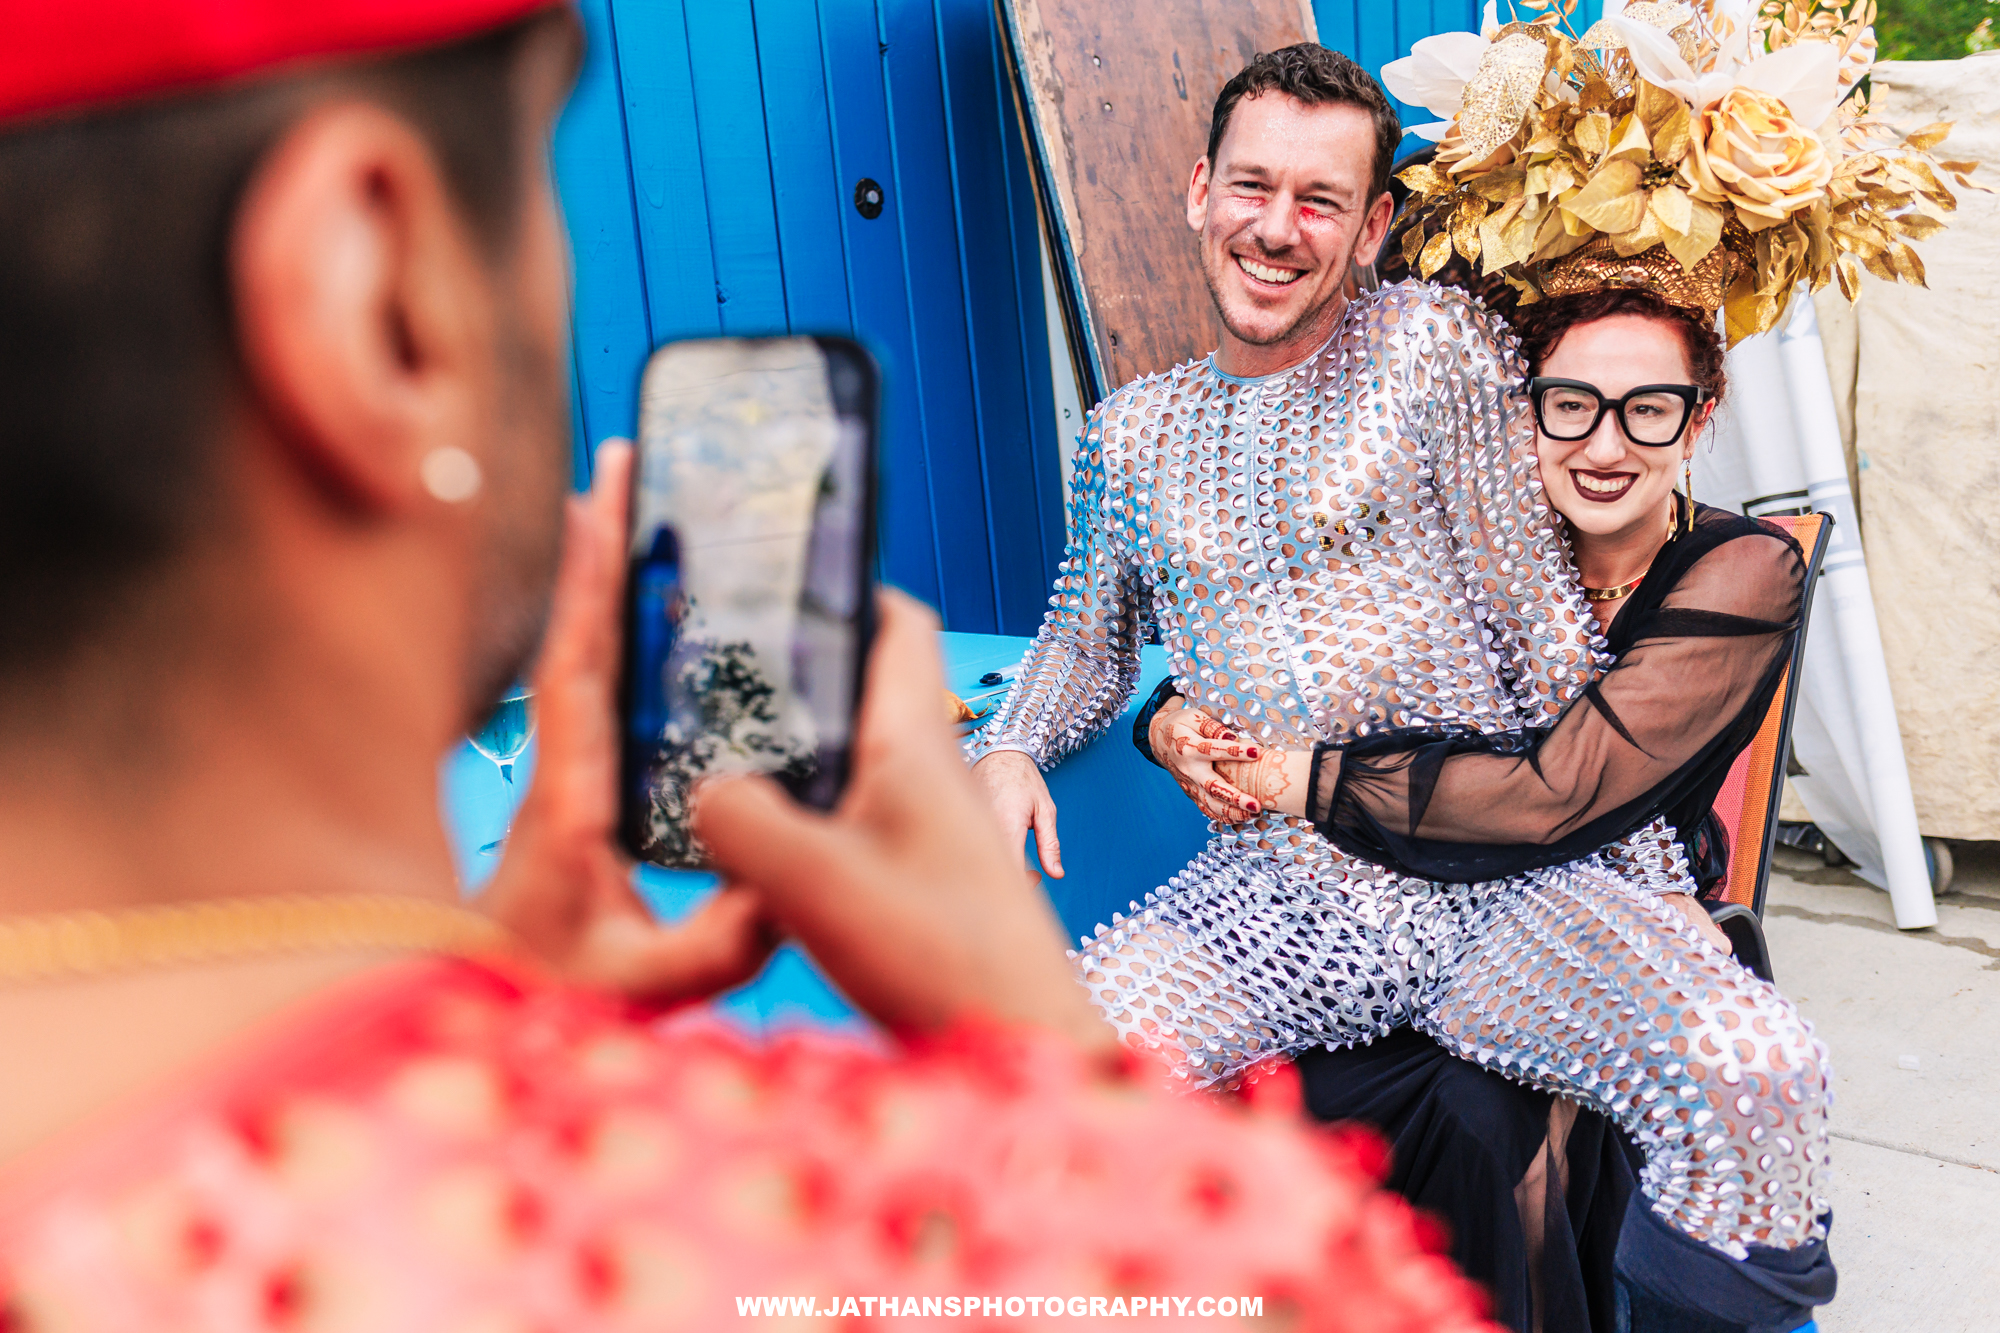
(56, 55)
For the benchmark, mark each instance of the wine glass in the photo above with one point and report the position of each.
(503, 738)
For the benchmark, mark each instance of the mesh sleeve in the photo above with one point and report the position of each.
(1080, 671)
(1468, 407)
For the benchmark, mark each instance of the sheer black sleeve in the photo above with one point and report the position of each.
(1700, 652)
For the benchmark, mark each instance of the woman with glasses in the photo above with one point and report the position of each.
(1699, 609)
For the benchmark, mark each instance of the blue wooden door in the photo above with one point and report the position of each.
(708, 166)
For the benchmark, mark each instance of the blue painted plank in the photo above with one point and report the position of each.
(736, 167)
(610, 324)
(799, 143)
(937, 314)
(879, 289)
(1335, 21)
(1374, 34)
(1413, 20)
(1044, 436)
(669, 188)
(1454, 15)
(581, 461)
(991, 253)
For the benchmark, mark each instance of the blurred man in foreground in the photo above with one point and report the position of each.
(282, 497)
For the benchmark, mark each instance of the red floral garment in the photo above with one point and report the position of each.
(449, 1147)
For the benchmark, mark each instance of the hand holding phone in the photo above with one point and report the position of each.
(564, 887)
(748, 600)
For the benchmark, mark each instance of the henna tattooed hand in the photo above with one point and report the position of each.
(1188, 743)
(1275, 779)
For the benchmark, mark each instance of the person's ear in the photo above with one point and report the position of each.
(363, 307)
(1197, 196)
(1374, 228)
(1703, 416)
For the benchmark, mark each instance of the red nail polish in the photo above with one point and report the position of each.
(1250, 753)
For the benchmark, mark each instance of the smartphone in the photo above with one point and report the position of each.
(749, 602)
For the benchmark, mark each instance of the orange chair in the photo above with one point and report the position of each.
(1748, 802)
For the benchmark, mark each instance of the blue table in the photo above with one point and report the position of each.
(1126, 828)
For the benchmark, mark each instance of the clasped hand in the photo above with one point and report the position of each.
(1231, 779)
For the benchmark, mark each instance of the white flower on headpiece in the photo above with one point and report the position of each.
(1434, 74)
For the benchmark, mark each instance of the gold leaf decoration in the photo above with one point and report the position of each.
(1929, 136)
(1701, 235)
(1424, 179)
(1849, 273)
(1500, 93)
(1677, 21)
(1435, 252)
(1465, 228)
(1593, 133)
(1612, 202)
(1908, 267)
(1413, 242)
(1673, 208)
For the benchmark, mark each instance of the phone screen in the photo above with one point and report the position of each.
(748, 606)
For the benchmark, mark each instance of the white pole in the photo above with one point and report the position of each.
(1732, 471)
(1760, 412)
(1844, 577)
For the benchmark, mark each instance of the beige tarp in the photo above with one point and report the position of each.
(1924, 371)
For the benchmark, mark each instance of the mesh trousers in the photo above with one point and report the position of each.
(1567, 979)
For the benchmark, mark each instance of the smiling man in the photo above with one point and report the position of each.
(1291, 194)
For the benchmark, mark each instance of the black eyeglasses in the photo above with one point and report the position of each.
(1653, 414)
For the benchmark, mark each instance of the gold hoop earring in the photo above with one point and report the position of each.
(1687, 485)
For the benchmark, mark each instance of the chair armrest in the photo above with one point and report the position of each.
(1746, 935)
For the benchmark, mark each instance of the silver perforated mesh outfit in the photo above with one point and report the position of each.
(1357, 543)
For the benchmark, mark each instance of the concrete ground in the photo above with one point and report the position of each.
(1913, 1021)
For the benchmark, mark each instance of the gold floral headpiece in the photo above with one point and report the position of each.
(1708, 150)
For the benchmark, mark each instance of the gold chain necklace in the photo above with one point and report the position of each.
(69, 945)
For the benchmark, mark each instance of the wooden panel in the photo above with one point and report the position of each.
(1120, 111)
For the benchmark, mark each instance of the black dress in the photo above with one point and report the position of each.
(1700, 648)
